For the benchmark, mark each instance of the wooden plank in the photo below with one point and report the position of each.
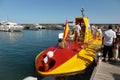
(107, 71)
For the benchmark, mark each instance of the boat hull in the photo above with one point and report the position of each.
(78, 60)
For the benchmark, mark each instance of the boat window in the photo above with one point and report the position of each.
(52, 63)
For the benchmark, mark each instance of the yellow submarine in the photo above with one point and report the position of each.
(69, 56)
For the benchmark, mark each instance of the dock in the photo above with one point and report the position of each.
(106, 71)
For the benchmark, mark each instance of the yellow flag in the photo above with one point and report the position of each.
(66, 31)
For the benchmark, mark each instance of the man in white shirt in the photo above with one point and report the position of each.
(93, 30)
(99, 33)
(108, 41)
(77, 30)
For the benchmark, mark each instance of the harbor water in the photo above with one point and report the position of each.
(19, 49)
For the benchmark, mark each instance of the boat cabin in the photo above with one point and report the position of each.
(85, 34)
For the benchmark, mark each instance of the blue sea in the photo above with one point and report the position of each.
(18, 51)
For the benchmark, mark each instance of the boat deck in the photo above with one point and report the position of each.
(107, 71)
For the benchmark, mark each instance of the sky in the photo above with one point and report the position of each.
(58, 11)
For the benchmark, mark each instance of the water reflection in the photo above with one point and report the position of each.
(13, 36)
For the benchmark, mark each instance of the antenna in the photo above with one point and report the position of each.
(82, 10)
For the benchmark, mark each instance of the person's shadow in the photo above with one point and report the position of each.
(116, 76)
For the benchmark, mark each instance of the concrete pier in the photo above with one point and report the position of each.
(107, 71)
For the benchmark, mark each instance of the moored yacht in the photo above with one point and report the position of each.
(10, 26)
(36, 27)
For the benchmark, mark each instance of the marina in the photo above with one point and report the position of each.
(59, 40)
(72, 58)
(19, 49)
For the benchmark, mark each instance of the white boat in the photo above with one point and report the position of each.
(10, 26)
(59, 27)
(36, 27)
